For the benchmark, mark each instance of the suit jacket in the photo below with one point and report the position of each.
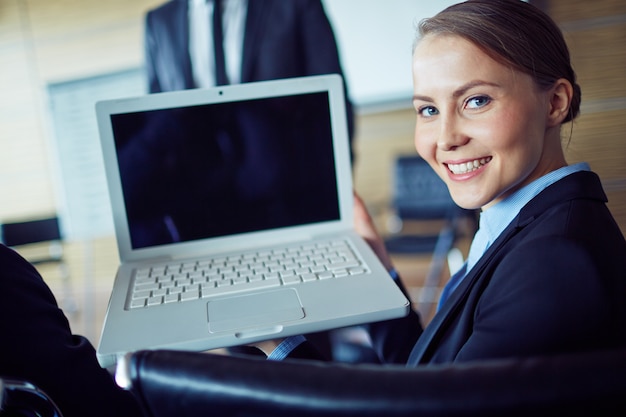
(282, 39)
(37, 345)
(553, 282)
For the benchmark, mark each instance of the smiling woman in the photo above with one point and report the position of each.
(488, 121)
(493, 85)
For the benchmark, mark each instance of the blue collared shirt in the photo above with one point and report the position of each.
(285, 348)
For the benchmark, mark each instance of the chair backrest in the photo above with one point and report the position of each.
(23, 399)
(41, 242)
(24, 234)
(30, 231)
(176, 383)
(419, 193)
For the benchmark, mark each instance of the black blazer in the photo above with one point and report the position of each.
(553, 282)
(37, 345)
(283, 39)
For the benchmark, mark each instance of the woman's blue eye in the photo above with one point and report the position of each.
(478, 102)
(428, 111)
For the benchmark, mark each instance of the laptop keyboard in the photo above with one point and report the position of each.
(191, 280)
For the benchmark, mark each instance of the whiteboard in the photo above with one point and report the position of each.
(375, 39)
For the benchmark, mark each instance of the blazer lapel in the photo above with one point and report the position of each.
(430, 338)
(437, 328)
(181, 49)
(256, 18)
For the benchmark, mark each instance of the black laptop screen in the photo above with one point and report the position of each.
(221, 169)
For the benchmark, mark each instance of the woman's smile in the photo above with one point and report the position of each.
(465, 167)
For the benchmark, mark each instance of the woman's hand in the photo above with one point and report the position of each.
(364, 225)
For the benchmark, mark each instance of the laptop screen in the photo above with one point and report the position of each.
(214, 170)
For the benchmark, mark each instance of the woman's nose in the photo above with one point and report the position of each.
(451, 134)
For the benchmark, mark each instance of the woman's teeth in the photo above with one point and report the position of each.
(468, 166)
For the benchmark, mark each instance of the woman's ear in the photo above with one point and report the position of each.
(560, 101)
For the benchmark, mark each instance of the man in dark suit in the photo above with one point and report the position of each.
(281, 39)
(262, 40)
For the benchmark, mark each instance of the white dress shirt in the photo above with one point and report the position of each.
(201, 40)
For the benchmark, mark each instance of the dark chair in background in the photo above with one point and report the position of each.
(426, 221)
(176, 383)
(23, 399)
(40, 241)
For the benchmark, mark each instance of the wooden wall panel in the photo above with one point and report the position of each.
(599, 60)
(24, 166)
(43, 41)
(573, 10)
(84, 38)
(598, 138)
(596, 35)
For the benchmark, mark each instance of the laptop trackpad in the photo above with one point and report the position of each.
(259, 310)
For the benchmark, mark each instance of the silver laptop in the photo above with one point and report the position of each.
(233, 216)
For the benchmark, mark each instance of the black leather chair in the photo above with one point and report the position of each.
(23, 399)
(175, 383)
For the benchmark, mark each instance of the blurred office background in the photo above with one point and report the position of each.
(57, 57)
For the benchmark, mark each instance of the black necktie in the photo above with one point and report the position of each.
(218, 43)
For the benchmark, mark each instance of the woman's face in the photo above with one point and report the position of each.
(482, 126)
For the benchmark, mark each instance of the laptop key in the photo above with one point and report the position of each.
(325, 275)
(343, 265)
(230, 289)
(140, 302)
(308, 277)
(290, 279)
(153, 301)
(190, 295)
(141, 295)
(340, 273)
(171, 298)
